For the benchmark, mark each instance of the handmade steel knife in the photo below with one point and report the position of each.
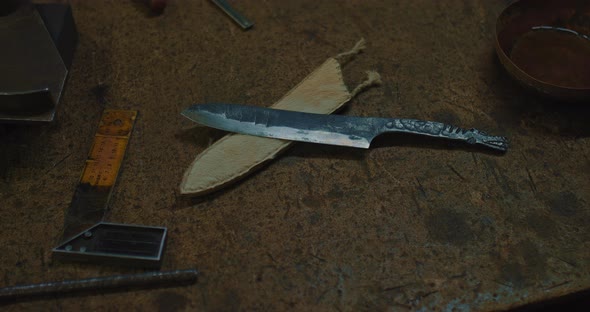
(327, 129)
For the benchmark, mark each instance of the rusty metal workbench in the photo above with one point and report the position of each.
(404, 225)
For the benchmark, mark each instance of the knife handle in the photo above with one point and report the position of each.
(441, 130)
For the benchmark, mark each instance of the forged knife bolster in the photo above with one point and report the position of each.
(441, 130)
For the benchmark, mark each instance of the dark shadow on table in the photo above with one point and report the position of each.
(579, 301)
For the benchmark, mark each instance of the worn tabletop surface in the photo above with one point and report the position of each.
(407, 224)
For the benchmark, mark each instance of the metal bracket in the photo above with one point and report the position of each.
(113, 243)
(38, 43)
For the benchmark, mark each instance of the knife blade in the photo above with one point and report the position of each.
(327, 129)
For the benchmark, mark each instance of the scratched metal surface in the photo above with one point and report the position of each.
(405, 225)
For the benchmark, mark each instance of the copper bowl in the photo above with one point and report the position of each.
(545, 44)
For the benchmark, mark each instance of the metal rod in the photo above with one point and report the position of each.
(235, 15)
(148, 279)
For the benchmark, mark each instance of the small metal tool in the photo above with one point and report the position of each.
(86, 237)
(235, 15)
(112, 243)
(142, 280)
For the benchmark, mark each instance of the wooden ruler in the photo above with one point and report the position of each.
(100, 171)
(87, 237)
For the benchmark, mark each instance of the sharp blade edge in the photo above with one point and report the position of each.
(280, 124)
